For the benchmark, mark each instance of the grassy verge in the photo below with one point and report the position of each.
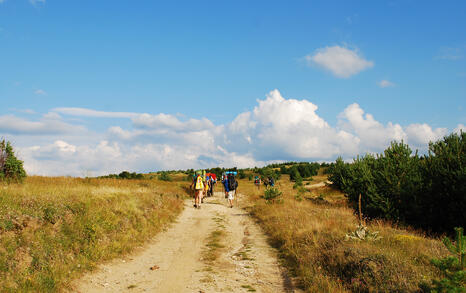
(212, 249)
(214, 243)
(54, 229)
(310, 230)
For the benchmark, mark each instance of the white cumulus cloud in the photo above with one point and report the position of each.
(459, 128)
(287, 128)
(374, 136)
(276, 129)
(340, 61)
(422, 134)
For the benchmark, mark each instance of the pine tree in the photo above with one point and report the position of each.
(444, 172)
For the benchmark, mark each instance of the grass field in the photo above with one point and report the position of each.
(309, 232)
(54, 229)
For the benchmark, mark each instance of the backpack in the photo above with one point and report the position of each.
(199, 183)
(232, 184)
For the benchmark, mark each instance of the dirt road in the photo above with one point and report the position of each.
(213, 249)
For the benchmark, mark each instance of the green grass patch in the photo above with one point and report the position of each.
(249, 288)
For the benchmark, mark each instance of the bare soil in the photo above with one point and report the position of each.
(212, 249)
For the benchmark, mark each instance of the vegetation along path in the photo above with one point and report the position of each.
(214, 249)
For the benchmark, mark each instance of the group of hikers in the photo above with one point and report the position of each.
(203, 185)
(269, 181)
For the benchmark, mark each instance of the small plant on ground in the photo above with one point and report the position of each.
(300, 195)
(249, 287)
(298, 183)
(452, 267)
(271, 194)
(363, 233)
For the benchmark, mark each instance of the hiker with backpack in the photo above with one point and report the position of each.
(206, 188)
(198, 186)
(231, 185)
(266, 182)
(257, 182)
(211, 180)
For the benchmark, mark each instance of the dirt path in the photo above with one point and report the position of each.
(214, 249)
(317, 185)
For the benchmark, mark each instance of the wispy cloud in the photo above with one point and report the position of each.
(40, 92)
(351, 19)
(27, 111)
(94, 113)
(37, 2)
(340, 61)
(385, 83)
(48, 124)
(451, 53)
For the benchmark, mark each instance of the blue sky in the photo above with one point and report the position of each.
(402, 62)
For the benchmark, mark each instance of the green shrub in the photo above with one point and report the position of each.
(164, 176)
(271, 194)
(452, 267)
(295, 175)
(337, 172)
(301, 170)
(298, 183)
(241, 174)
(11, 169)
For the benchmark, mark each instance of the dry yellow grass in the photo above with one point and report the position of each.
(310, 235)
(54, 229)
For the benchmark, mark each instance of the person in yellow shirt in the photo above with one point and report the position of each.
(198, 186)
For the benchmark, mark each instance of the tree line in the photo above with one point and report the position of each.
(427, 191)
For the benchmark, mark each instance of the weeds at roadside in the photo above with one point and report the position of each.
(52, 230)
(212, 249)
(214, 242)
(242, 254)
(207, 279)
(249, 287)
(310, 235)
